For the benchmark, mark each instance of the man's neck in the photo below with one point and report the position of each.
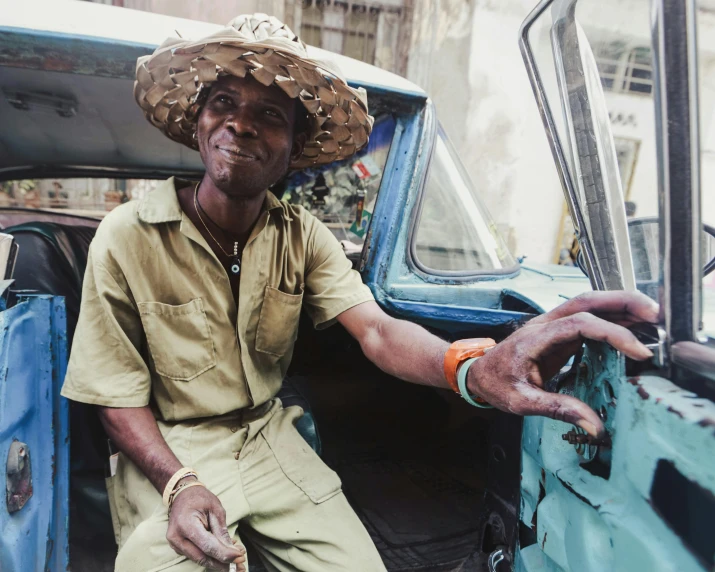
(235, 214)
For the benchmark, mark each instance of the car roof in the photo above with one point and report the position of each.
(83, 55)
(136, 27)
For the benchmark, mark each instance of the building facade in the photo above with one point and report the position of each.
(464, 53)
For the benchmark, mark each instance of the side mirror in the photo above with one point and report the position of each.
(643, 236)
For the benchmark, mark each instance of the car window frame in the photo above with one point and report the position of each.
(413, 261)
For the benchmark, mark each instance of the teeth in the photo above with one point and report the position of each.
(238, 152)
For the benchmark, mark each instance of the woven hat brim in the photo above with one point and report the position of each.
(168, 83)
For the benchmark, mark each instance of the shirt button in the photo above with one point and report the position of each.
(237, 455)
(234, 429)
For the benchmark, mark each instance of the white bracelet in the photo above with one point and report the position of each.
(176, 477)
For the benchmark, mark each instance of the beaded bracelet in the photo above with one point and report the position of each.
(183, 487)
(176, 477)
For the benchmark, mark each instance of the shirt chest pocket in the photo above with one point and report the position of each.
(278, 322)
(179, 338)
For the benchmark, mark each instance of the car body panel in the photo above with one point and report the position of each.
(641, 498)
(33, 417)
(627, 509)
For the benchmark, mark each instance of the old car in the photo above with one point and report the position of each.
(438, 484)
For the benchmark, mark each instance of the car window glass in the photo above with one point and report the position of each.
(597, 69)
(455, 233)
(91, 197)
(342, 194)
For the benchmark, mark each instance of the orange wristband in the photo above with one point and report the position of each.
(459, 352)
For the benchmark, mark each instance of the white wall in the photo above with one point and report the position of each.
(216, 12)
(465, 55)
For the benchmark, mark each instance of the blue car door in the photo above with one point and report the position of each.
(34, 436)
(643, 498)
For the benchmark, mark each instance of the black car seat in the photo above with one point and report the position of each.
(52, 259)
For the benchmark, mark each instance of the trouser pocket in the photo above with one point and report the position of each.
(297, 459)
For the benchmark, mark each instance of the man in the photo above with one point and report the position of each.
(190, 309)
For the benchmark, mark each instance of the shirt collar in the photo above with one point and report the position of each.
(162, 204)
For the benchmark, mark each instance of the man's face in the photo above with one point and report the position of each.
(246, 135)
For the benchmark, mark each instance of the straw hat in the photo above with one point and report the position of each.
(170, 84)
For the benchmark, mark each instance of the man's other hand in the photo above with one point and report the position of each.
(512, 375)
(197, 530)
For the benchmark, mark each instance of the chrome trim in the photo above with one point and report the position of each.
(495, 558)
(677, 140)
(696, 357)
(585, 241)
(603, 198)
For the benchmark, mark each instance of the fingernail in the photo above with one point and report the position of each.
(589, 427)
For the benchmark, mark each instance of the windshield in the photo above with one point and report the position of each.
(455, 235)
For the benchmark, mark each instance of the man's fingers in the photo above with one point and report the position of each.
(588, 326)
(217, 525)
(535, 401)
(618, 306)
(192, 552)
(211, 546)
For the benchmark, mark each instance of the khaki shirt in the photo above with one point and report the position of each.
(158, 320)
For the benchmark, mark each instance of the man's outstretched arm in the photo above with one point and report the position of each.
(511, 376)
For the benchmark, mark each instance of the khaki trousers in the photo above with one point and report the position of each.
(275, 489)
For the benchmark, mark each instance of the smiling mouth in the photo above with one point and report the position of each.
(237, 154)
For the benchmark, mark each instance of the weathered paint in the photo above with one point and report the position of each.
(604, 518)
(33, 356)
(68, 53)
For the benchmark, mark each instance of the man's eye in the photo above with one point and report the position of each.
(272, 113)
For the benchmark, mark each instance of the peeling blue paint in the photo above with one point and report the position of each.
(33, 352)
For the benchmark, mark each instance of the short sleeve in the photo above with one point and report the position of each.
(106, 366)
(331, 284)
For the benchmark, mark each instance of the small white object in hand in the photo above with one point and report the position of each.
(232, 567)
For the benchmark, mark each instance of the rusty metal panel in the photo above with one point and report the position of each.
(34, 422)
(642, 501)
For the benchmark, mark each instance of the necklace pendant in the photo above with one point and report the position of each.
(235, 266)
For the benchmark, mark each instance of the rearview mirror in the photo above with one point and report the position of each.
(643, 236)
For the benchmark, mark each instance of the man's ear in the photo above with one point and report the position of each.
(299, 142)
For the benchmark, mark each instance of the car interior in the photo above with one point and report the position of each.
(414, 460)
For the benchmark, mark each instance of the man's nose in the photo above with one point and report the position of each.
(242, 123)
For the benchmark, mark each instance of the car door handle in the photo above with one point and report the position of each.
(19, 476)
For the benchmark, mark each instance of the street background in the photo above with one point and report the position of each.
(464, 54)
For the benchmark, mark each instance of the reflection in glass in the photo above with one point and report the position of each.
(342, 195)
